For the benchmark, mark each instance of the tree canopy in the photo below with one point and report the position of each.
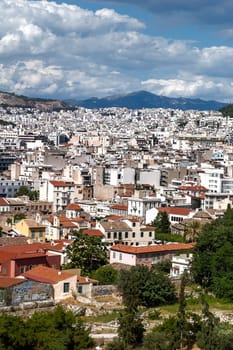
(147, 287)
(105, 275)
(162, 223)
(213, 257)
(57, 329)
(87, 253)
(25, 191)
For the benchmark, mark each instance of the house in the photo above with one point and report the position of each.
(59, 227)
(176, 214)
(119, 209)
(146, 255)
(139, 206)
(85, 285)
(17, 259)
(4, 205)
(126, 231)
(31, 229)
(63, 283)
(180, 264)
(73, 210)
(14, 291)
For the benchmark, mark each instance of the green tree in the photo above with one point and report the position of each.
(162, 223)
(25, 191)
(130, 328)
(57, 329)
(143, 286)
(213, 256)
(192, 231)
(87, 253)
(105, 275)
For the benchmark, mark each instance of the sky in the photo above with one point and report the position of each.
(74, 49)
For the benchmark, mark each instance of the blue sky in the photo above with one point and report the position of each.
(78, 49)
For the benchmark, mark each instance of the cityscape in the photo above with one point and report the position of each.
(116, 175)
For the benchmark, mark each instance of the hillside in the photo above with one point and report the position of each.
(227, 111)
(12, 100)
(144, 99)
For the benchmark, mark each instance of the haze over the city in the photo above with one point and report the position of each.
(78, 49)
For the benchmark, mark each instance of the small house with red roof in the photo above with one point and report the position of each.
(73, 210)
(14, 291)
(146, 255)
(64, 284)
(4, 205)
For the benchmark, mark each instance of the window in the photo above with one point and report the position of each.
(80, 289)
(23, 268)
(33, 234)
(41, 233)
(115, 235)
(142, 234)
(133, 234)
(120, 256)
(109, 234)
(126, 234)
(114, 255)
(150, 234)
(66, 287)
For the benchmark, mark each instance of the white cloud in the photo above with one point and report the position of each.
(192, 86)
(65, 51)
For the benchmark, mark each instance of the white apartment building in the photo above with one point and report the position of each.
(211, 178)
(118, 176)
(61, 193)
(139, 206)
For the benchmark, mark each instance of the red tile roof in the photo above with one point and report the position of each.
(176, 211)
(73, 206)
(93, 232)
(192, 188)
(61, 183)
(23, 251)
(6, 282)
(114, 217)
(147, 228)
(119, 207)
(3, 202)
(152, 248)
(86, 280)
(46, 275)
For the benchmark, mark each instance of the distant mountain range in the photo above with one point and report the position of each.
(144, 99)
(134, 100)
(11, 100)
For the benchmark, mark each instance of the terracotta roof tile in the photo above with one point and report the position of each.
(47, 275)
(73, 206)
(176, 210)
(119, 207)
(93, 232)
(6, 282)
(3, 202)
(61, 183)
(152, 248)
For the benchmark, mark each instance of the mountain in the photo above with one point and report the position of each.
(11, 100)
(144, 99)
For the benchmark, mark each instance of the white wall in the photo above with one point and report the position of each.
(122, 258)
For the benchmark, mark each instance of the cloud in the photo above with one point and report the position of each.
(212, 12)
(191, 86)
(65, 51)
